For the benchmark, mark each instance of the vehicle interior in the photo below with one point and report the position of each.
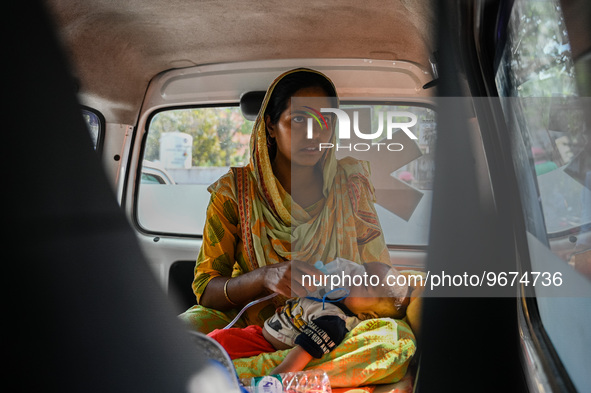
(134, 108)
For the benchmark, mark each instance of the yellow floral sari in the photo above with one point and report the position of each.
(252, 221)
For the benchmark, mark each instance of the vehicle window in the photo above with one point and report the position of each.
(93, 125)
(193, 147)
(403, 177)
(537, 72)
(550, 145)
(185, 151)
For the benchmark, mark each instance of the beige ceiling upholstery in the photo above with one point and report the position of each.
(116, 47)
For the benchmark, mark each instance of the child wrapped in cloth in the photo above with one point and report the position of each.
(314, 326)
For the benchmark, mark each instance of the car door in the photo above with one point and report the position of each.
(540, 222)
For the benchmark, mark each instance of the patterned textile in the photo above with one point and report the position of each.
(377, 351)
(252, 221)
(315, 326)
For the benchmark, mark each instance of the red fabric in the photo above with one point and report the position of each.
(242, 343)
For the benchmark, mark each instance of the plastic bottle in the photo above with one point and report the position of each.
(309, 381)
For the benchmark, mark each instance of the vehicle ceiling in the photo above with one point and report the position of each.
(116, 47)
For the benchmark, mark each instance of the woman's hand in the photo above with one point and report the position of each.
(287, 278)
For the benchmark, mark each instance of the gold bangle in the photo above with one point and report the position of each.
(226, 293)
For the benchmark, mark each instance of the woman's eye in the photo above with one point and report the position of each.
(299, 119)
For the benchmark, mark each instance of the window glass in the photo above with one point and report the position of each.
(403, 177)
(538, 72)
(93, 125)
(199, 137)
(188, 149)
(419, 171)
(552, 158)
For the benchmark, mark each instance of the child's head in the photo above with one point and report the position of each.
(383, 298)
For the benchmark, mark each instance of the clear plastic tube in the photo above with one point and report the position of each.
(247, 306)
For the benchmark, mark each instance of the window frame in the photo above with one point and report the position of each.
(144, 135)
(138, 173)
(548, 371)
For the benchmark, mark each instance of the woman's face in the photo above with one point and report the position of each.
(290, 132)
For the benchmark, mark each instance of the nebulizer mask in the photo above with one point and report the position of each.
(337, 281)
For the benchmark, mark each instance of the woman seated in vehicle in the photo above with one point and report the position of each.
(268, 223)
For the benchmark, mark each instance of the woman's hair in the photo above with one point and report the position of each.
(289, 85)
